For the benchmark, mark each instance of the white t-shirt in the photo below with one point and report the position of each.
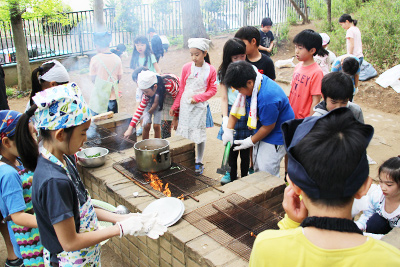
(354, 32)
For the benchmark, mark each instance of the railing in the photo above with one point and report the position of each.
(46, 38)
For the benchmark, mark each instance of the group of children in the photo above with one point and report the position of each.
(41, 191)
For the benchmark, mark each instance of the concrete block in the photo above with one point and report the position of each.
(165, 244)
(164, 263)
(393, 238)
(191, 263)
(184, 235)
(178, 254)
(166, 256)
(125, 251)
(200, 246)
(177, 263)
(154, 256)
(220, 257)
(234, 187)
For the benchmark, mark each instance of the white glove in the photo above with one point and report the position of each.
(151, 226)
(243, 144)
(227, 136)
(131, 225)
(225, 120)
(146, 118)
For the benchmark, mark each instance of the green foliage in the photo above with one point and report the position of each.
(163, 7)
(249, 5)
(176, 41)
(10, 91)
(111, 4)
(281, 33)
(213, 6)
(339, 7)
(292, 17)
(127, 17)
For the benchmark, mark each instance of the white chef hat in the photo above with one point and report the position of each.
(202, 44)
(146, 79)
(57, 73)
(325, 38)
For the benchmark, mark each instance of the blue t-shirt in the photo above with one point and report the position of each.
(11, 197)
(337, 66)
(55, 199)
(272, 107)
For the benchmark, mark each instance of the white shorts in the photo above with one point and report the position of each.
(267, 157)
(155, 118)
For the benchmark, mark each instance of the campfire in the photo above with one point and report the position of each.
(156, 183)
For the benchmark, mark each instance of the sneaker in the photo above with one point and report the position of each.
(251, 171)
(15, 263)
(139, 131)
(199, 168)
(226, 178)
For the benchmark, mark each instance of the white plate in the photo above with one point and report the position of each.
(169, 210)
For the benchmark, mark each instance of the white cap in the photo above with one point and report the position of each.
(146, 79)
(202, 44)
(325, 38)
(57, 73)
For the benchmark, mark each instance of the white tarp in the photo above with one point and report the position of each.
(390, 78)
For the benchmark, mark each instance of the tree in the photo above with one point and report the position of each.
(249, 6)
(126, 15)
(98, 12)
(192, 21)
(162, 8)
(17, 10)
(298, 10)
(329, 13)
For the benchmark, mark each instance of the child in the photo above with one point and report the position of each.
(323, 56)
(305, 91)
(350, 65)
(3, 94)
(15, 194)
(328, 176)
(165, 42)
(197, 85)
(383, 211)
(67, 220)
(143, 56)
(156, 44)
(119, 50)
(234, 50)
(353, 37)
(251, 37)
(325, 42)
(267, 37)
(166, 87)
(268, 107)
(106, 72)
(337, 90)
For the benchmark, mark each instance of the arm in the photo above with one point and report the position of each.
(136, 117)
(211, 87)
(373, 198)
(350, 46)
(356, 79)
(103, 215)
(158, 70)
(232, 122)
(24, 219)
(155, 105)
(315, 100)
(262, 133)
(224, 100)
(271, 45)
(295, 209)
(262, 48)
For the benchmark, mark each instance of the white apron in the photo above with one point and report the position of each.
(88, 222)
(192, 117)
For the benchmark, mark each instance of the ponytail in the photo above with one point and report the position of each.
(36, 83)
(27, 147)
(355, 22)
(207, 58)
(347, 17)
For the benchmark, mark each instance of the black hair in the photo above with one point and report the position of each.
(232, 47)
(136, 72)
(322, 52)
(121, 47)
(248, 33)
(331, 152)
(151, 29)
(392, 168)
(135, 55)
(309, 39)
(36, 83)
(266, 22)
(350, 65)
(27, 146)
(238, 73)
(345, 17)
(161, 91)
(207, 58)
(337, 85)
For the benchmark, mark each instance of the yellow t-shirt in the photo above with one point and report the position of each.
(291, 248)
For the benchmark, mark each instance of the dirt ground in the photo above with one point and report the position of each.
(380, 106)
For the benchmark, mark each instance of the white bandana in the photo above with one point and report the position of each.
(199, 43)
(57, 73)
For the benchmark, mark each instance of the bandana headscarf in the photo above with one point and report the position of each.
(61, 107)
(58, 73)
(202, 44)
(8, 123)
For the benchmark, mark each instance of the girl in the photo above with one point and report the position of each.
(234, 50)
(15, 192)
(159, 93)
(198, 84)
(143, 56)
(67, 221)
(353, 36)
(383, 211)
(323, 56)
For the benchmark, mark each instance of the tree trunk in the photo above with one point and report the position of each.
(21, 52)
(304, 17)
(192, 21)
(305, 9)
(329, 13)
(98, 12)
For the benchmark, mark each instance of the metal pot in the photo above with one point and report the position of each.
(152, 155)
(92, 162)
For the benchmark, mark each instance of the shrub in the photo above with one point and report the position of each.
(292, 17)
(10, 91)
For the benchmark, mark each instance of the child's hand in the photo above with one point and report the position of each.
(175, 123)
(192, 101)
(294, 207)
(129, 132)
(171, 112)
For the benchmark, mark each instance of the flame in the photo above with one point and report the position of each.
(252, 234)
(157, 184)
(181, 197)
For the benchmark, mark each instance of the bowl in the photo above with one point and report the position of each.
(95, 161)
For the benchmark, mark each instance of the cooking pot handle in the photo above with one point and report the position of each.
(165, 153)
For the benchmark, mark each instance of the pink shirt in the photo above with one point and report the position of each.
(111, 61)
(354, 32)
(210, 91)
(306, 82)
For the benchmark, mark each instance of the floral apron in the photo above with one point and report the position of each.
(192, 117)
(27, 238)
(88, 222)
(102, 91)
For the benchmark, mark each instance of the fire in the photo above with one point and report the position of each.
(157, 184)
(252, 234)
(181, 197)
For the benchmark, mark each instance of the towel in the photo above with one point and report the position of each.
(239, 107)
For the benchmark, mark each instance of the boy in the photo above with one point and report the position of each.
(350, 65)
(251, 37)
(268, 107)
(267, 37)
(106, 72)
(119, 50)
(156, 44)
(337, 90)
(305, 91)
(328, 167)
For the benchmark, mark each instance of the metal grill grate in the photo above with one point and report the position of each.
(234, 222)
(97, 132)
(112, 143)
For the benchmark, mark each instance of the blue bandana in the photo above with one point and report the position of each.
(8, 122)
